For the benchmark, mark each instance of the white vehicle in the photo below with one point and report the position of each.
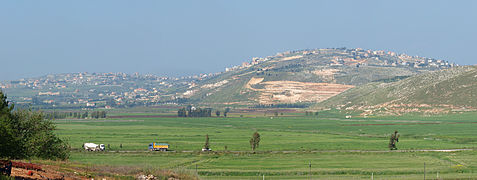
(93, 147)
(206, 149)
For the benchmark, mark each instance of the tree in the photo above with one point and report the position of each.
(39, 139)
(189, 110)
(8, 140)
(182, 112)
(94, 114)
(103, 114)
(392, 141)
(206, 145)
(27, 134)
(226, 111)
(255, 141)
(85, 115)
(217, 113)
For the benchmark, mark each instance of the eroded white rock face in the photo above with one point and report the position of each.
(144, 177)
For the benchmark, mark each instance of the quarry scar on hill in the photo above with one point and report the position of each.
(294, 91)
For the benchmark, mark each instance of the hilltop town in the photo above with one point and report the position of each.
(111, 90)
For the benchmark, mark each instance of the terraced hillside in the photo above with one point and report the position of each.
(305, 76)
(447, 90)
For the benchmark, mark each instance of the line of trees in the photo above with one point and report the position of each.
(98, 114)
(78, 115)
(281, 106)
(191, 111)
(309, 113)
(27, 134)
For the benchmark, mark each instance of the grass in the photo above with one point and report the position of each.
(450, 86)
(295, 165)
(306, 137)
(279, 133)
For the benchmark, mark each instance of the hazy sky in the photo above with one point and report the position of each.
(189, 37)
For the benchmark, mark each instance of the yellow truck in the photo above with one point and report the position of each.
(158, 146)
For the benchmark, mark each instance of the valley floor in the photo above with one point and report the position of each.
(337, 148)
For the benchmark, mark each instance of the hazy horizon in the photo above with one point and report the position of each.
(185, 38)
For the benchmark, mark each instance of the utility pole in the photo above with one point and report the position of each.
(424, 171)
(310, 170)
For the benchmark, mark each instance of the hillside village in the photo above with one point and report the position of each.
(357, 56)
(110, 90)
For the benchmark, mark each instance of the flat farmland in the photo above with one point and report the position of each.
(336, 147)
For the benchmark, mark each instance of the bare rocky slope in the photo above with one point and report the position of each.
(453, 89)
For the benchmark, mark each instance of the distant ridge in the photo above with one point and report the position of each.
(292, 77)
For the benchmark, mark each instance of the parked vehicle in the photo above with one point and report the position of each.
(206, 149)
(158, 147)
(93, 147)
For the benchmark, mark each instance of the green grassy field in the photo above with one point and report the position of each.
(288, 145)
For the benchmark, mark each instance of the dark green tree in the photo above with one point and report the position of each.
(39, 139)
(189, 110)
(27, 134)
(94, 115)
(102, 114)
(255, 141)
(8, 139)
(226, 111)
(85, 115)
(393, 140)
(182, 112)
(206, 145)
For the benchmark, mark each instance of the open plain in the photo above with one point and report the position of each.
(335, 146)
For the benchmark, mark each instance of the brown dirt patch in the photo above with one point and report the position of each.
(141, 116)
(47, 172)
(287, 58)
(295, 92)
(387, 124)
(392, 124)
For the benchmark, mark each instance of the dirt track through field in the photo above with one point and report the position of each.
(387, 124)
(337, 151)
(393, 124)
(143, 116)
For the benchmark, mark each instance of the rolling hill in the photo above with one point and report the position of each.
(453, 89)
(300, 77)
(305, 76)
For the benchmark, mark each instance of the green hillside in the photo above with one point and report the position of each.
(452, 89)
(298, 76)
